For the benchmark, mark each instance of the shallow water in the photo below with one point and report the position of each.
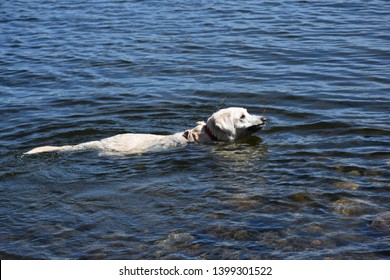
(307, 187)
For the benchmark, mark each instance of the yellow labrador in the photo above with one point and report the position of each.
(225, 125)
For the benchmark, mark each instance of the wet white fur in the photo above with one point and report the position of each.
(226, 125)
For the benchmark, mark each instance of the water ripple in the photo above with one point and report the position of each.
(307, 187)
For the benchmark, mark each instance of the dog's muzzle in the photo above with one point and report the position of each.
(257, 127)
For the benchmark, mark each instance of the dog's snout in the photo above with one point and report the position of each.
(263, 119)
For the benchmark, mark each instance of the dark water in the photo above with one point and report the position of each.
(307, 187)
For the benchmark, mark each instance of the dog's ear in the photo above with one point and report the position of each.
(225, 123)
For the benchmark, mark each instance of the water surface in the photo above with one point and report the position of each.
(307, 187)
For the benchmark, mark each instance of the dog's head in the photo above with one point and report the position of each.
(234, 123)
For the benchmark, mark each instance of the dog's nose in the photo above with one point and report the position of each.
(263, 119)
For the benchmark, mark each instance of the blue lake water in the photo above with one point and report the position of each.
(307, 187)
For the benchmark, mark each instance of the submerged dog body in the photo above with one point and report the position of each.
(225, 125)
(128, 143)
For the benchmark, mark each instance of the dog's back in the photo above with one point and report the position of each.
(128, 143)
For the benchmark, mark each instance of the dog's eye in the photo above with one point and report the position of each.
(242, 116)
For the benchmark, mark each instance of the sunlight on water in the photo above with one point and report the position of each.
(313, 185)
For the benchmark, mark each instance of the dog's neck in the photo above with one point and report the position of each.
(210, 133)
(204, 133)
